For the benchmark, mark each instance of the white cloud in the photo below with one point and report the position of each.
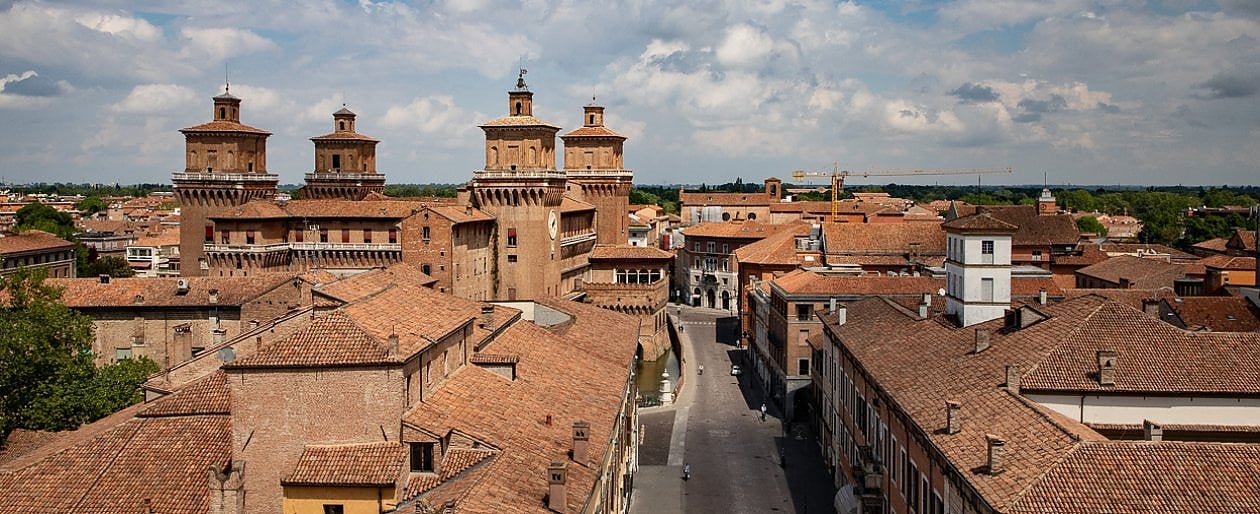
(744, 46)
(436, 119)
(121, 26)
(217, 44)
(153, 98)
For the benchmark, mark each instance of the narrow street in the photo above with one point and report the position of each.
(739, 463)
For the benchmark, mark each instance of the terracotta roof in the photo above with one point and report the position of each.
(779, 248)
(155, 292)
(30, 241)
(257, 209)
(898, 239)
(168, 237)
(803, 282)
(459, 214)
(1225, 262)
(686, 199)
(370, 282)
(1217, 245)
(981, 222)
(1035, 229)
(115, 471)
(1131, 297)
(1115, 248)
(22, 441)
(599, 131)
(1218, 313)
(574, 372)
(605, 251)
(571, 205)
(224, 126)
(1142, 477)
(1150, 356)
(1243, 239)
(209, 395)
(331, 340)
(518, 121)
(734, 229)
(371, 464)
(345, 135)
(1141, 273)
(806, 206)
(390, 209)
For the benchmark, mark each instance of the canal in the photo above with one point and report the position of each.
(647, 376)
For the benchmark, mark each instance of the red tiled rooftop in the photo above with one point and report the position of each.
(604, 251)
(351, 465)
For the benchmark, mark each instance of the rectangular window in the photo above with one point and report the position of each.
(986, 289)
(209, 233)
(1036, 255)
(323, 235)
(712, 247)
(336, 161)
(334, 508)
(695, 247)
(299, 235)
(249, 237)
(511, 258)
(393, 236)
(367, 235)
(225, 236)
(803, 311)
(345, 235)
(912, 490)
(122, 354)
(424, 233)
(726, 248)
(511, 238)
(422, 457)
(986, 247)
(802, 367)
(426, 269)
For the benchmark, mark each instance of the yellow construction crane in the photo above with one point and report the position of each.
(838, 175)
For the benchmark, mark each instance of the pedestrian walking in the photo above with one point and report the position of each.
(701, 369)
(763, 411)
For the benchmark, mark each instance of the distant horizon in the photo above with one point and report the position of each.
(758, 183)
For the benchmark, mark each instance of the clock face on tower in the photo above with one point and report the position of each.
(553, 224)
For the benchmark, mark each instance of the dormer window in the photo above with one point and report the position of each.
(422, 457)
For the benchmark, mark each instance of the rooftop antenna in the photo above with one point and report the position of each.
(227, 82)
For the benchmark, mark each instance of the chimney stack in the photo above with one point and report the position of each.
(487, 316)
(1107, 367)
(953, 417)
(214, 295)
(557, 474)
(1151, 307)
(927, 299)
(841, 313)
(1012, 379)
(997, 446)
(982, 340)
(1152, 431)
(581, 441)
(923, 307)
(831, 305)
(393, 345)
(1041, 296)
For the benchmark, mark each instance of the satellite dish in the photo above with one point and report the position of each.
(940, 292)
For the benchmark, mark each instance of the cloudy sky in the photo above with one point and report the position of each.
(1088, 92)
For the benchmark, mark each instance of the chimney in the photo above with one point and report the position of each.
(831, 305)
(1152, 431)
(104, 278)
(1107, 367)
(1151, 307)
(841, 313)
(227, 488)
(253, 324)
(923, 309)
(1012, 379)
(1041, 296)
(581, 441)
(393, 345)
(214, 295)
(557, 473)
(982, 340)
(997, 446)
(487, 316)
(953, 417)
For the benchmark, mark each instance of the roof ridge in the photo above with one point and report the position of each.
(1072, 331)
(1019, 495)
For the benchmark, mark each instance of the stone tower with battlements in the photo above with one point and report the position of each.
(345, 163)
(597, 175)
(225, 166)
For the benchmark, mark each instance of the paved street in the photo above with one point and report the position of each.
(715, 426)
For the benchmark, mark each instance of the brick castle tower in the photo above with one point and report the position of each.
(345, 163)
(225, 166)
(593, 161)
(522, 189)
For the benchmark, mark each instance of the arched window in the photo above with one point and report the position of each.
(222, 113)
(494, 155)
(343, 126)
(592, 119)
(518, 108)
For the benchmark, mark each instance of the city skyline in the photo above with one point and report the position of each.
(1083, 92)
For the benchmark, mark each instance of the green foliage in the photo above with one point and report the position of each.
(1091, 225)
(66, 189)
(414, 190)
(1161, 215)
(1216, 197)
(109, 265)
(640, 197)
(91, 205)
(47, 380)
(43, 217)
(1211, 227)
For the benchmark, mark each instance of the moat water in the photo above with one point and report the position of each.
(647, 376)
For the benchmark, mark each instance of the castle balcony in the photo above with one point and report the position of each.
(342, 177)
(376, 247)
(588, 173)
(519, 174)
(577, 239)
(225, 177)
(639, 299)
(245, 249)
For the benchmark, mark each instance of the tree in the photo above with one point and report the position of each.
(111, 265)
(91, 205)
(1090, 224)
(641, 197)
(47, 380)
(43, 217)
